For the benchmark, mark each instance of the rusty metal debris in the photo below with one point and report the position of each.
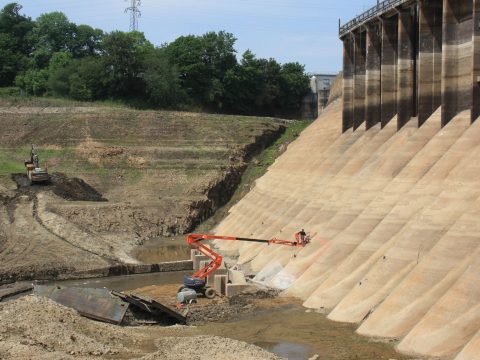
(96, 304)
(105, 305)
(151, 306)
(14, 289)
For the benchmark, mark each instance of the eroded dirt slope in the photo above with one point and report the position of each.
(121, 177)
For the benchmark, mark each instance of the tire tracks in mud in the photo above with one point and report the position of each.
(110, 260)
(31, 193)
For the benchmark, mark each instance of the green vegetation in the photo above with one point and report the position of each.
(9, 165)
(260, 165)
(53, 57)
(12, 159)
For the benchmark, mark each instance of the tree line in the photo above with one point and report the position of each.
(51, 56)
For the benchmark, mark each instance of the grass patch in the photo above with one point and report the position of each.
(58, 160)
(255, 169)
(9, 92)
(9, 166)
(12, 97)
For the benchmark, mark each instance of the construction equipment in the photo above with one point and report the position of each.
(197, 281)
(35, 173)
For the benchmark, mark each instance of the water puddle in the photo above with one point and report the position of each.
(289, 350)
(294, 333)
(127, 282)
(162, 249)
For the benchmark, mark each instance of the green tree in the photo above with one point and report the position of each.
(52, 33)
(123, 57)
(87, 41)
(295, 85)
(203, 63)
(162, 80)
(89, 73)
(243, 84)
(81, 79)
(253, 87)
(270, 92)
(14, 43)
(58, 76)
(33, 81)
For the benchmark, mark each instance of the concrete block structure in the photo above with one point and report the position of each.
(197, 261)
(211, 277)
(220, 283)
(408, 58)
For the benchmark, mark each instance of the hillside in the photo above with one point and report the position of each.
(161, 173)
(394, 219)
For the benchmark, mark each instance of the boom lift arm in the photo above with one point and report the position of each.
(195, 241)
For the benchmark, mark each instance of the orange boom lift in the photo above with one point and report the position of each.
(197, 281)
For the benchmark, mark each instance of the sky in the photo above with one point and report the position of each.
(305, 31)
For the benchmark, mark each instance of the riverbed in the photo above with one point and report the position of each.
(281, 326)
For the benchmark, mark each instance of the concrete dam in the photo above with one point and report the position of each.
(387, 181)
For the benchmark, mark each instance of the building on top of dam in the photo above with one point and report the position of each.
(315, 101)
(408, 58)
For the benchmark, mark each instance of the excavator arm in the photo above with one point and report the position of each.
(195, 241)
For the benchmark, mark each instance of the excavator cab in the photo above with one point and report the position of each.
(35, 173)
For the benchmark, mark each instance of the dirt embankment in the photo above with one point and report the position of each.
(162, 173)
(170, 216)
(219, 192)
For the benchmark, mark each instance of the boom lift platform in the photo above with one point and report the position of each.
(197, 281)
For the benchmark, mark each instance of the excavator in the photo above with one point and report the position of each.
(197, 281)
(35, 173)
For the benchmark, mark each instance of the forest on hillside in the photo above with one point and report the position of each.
(51, 56)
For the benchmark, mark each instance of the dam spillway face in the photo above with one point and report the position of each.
(388, 183)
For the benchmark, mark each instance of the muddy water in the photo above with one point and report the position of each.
(287, 349)
(128, 282)
(162, 249)
(288, 330)
(296, 333)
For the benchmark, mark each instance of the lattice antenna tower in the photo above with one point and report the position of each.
(135, 14)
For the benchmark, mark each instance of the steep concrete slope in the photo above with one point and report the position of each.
(393, 216)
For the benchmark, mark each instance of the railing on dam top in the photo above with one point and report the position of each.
(375, 11)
